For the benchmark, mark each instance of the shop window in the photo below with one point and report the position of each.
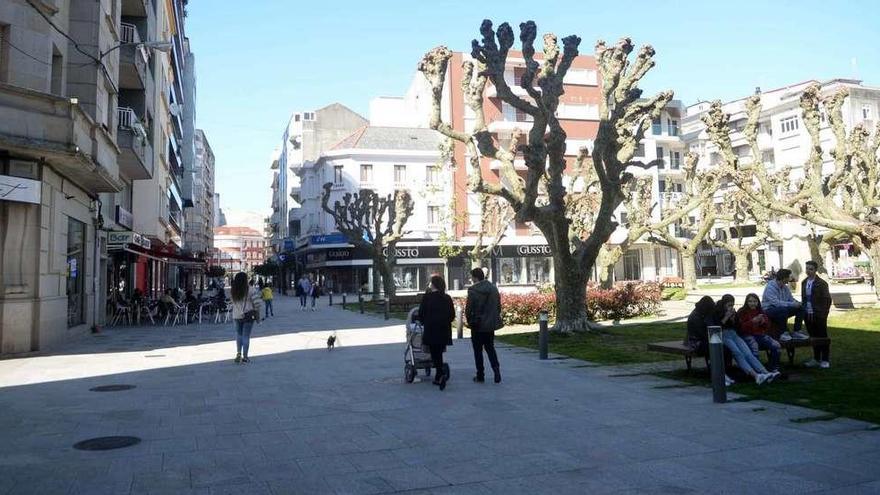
(538, 270)
(510, 271)
(76, 247)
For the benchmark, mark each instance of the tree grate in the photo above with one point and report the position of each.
(112, 388)
(107, 443)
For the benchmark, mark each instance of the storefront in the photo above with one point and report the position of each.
(523, 264)
(128, 266)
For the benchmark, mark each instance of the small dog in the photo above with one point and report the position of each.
(331, 341)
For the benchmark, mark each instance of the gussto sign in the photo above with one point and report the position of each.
(525, 250)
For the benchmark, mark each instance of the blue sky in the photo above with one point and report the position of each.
(259, 61)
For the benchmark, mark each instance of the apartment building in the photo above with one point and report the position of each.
(238, 249)
(784, 142)
(84, 160)
(199, 233)
(384, 160)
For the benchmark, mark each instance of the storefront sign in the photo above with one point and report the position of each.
(120, 239)
(124, 217)
(287, 244)
(328, 239)
(339, 254)
(522, 251)
(19, 189)
(404, 252)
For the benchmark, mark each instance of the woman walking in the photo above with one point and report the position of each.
(245, 311)
(436, 313)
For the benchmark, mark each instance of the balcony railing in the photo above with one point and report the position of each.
(667, 197)
(129, 33)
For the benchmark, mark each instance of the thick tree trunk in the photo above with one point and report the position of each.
(606, 275)
(689, 270)
(741, 263)
(377, 277)
(874, 254)
(571, 297)
(387, 278)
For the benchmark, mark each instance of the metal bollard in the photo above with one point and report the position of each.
(387, 307)
(330, 295)
(361, 302)
(716, 364)
(543, 334)
(343, 300)
(459, 314)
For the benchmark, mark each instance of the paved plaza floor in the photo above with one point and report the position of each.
(301, 419)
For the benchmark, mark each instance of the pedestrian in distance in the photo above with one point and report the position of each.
(267, 296)
(316, 292)
(780, 305)
(483, 314)
(245, 311)
(817, 304)
(436, 312)
(304, 286)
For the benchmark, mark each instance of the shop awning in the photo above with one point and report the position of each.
(134, 249)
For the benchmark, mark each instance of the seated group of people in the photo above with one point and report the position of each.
(758, 324)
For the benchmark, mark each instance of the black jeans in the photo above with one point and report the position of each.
(437, 358)
(817, 326)
(480, 341)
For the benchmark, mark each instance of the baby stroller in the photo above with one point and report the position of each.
(415, 357)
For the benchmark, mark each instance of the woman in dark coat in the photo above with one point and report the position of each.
(436, 313)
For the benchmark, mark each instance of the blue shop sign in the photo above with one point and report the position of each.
(328, 239)
(287, 244)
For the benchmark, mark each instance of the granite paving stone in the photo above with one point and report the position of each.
(302, 419)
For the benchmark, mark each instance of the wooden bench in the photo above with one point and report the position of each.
(848, 280)
(678, 347)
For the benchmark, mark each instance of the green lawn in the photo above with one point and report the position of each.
(850, 388)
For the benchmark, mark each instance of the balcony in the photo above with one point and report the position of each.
(667, 198)
(55, 129)
(509, 125)
(135, 157)
(132, 59)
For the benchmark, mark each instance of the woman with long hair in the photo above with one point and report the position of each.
(436, 313)
(753, 326)
(725, 316)
(245, 311)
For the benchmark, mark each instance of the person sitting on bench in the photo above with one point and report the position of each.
(753, 326)
(780, 305)
(725, 317)
(697, 338)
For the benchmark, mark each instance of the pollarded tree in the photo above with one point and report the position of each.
(737, 216)
(374, 223)
(846, 201)
(690, 231)
(624, 118)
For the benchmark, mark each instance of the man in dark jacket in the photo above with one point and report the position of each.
(483, 314)
(817, 304)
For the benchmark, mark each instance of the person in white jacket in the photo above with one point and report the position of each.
(780, 305)
(246, 306)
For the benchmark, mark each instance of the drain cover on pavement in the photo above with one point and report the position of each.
(107, 443)
(112, 388)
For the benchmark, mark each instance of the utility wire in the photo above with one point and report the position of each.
(26, 54)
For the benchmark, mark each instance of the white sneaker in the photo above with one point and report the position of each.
(771, 376)
(824, 365)
(728, 381)
(800, 336)
(760, 378)
(785, 337)
(812, 363)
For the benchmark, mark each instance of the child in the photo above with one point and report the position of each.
(266, 294)
(753, 327)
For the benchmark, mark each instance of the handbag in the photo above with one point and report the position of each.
(250, 316)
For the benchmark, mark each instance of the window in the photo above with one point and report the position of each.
(866, 112)
(297, 117)
(656, 127)
(624, 218)
(433, 215)
(538, 270)
(585, 77)
(366, 174)
(661, 161)
(337, 175)
(678, 187)
(76, 247)
(672, 126)
(399, 175)
(510, 271)
(768, 157)
(473, 210)
(57, 75)
(662, 185)
(307, 116)
(632, 265)
(432, 175)
(675, 160)
(640, 150)
(789, 124)
(4, 52)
